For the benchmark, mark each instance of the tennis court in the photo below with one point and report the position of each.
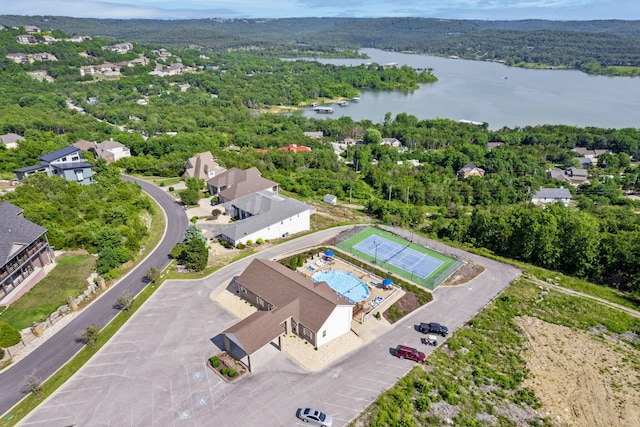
(401, 256)
(396, 255)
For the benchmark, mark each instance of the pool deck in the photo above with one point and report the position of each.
(363, 328)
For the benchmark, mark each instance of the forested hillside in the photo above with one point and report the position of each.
(599, 47)
(221, 103)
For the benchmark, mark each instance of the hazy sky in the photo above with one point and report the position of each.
(454, 9)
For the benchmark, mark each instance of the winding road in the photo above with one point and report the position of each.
(55, 352)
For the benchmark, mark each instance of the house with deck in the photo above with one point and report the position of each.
(287, 303)
(66, 163)
(24, 252)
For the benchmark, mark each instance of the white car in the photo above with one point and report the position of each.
(314, 417)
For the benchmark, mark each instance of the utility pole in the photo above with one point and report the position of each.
(390, 187)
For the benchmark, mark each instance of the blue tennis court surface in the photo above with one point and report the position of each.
(399, 255)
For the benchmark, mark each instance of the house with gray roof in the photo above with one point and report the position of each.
(235, 183)
(574, 176)
(288, 303)
(112, 151)
(265, 215)
(10, 140)
(66, 163)
(24, 251)
(552, 195)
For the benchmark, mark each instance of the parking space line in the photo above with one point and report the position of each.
(48, 421)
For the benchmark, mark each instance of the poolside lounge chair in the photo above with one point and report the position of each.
(311, 267)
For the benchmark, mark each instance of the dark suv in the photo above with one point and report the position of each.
(404, 352)
(433, 328)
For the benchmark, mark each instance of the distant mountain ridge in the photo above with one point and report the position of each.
(583, 45)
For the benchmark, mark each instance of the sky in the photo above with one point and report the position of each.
(562, 10)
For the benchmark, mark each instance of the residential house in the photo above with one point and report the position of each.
(87, 70)
(288, 303)
(107, 69)
(49, 39)
(494, 144)
(574, 176)
(295, 148)
(66, 163)
(470, 170)
(202, 166)
(112, 151)
(391, 142)
(121, 47)
(31, 29)
(78, 39)
(24, 251)
(44, 57)
(26, 39)
(552, 195)
(314, 135)
(266, 215)
(18, 58)
(174, 69)
(590, 154)
(235, 183)
(162, 54)
(10, 140)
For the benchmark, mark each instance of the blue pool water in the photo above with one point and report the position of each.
(344, 283)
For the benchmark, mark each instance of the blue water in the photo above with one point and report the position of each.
(344, 283)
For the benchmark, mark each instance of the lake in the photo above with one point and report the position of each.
(497, 94)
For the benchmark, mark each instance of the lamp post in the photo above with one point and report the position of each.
(376, 252)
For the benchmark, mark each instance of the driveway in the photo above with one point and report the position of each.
(153, 371)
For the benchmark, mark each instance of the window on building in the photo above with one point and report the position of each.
(324, 333)
(79, 175)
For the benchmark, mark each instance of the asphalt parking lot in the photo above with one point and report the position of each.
(153, 372)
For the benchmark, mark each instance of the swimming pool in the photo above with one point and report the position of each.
(344, 283)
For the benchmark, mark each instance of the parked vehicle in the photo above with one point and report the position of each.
(430, 340)
(404, 352)
(314, 417)
(433, 328)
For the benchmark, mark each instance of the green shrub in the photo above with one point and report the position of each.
(194, 219)
(171, 189)
(377, 315)
(259, 241)
(422, 404)
(240, 246)
(293, 263)
(1, 353)
(224, 371)
(215, 361)
(249, 242)
(232, 373)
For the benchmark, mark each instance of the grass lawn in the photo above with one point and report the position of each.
(69, 277)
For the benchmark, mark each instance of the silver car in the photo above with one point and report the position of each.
(314, 417)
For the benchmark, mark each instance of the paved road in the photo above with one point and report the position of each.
(153, 373)
(56, 351)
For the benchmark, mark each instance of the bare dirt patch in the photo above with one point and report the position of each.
(464, 274)
(406, 304)
(582, 379)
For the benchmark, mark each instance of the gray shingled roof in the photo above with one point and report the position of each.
(267, 209)
(553, 193)
(15, 231)
(10, 138)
